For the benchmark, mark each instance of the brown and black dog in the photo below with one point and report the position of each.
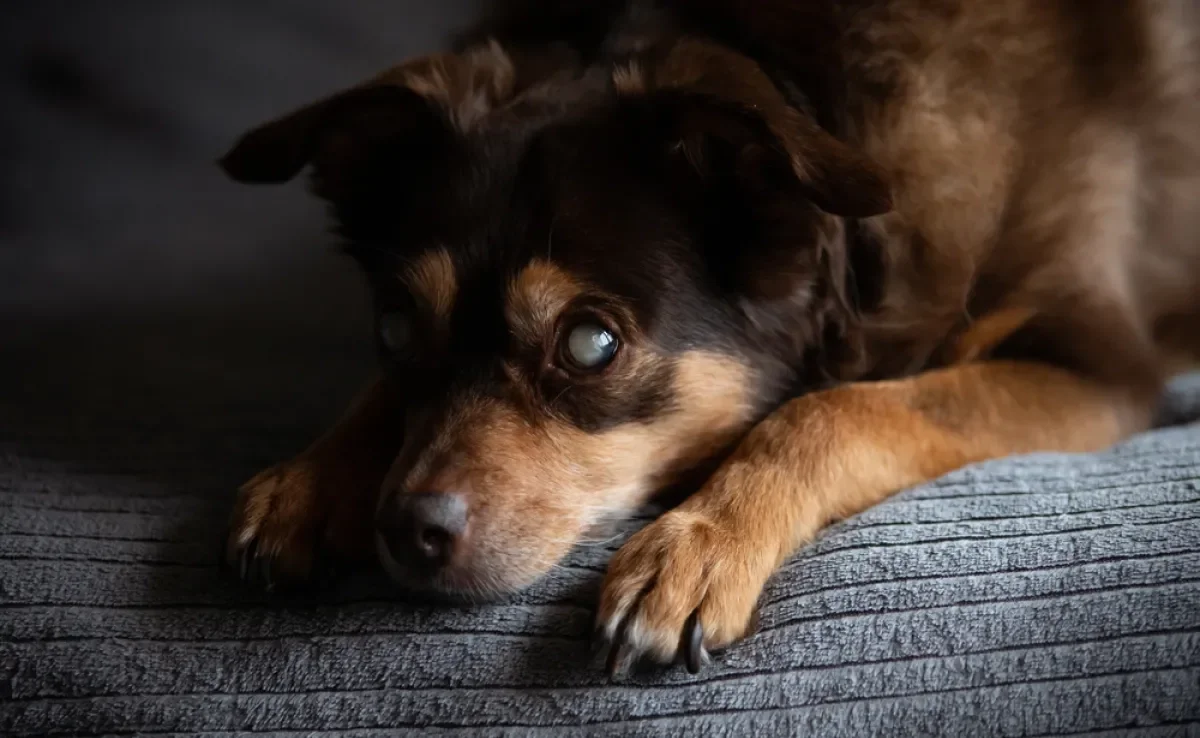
(824, 249)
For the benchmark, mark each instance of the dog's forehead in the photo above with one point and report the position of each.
(480, 296)
(461, 292)
(524, 229)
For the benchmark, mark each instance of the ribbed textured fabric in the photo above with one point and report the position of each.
(165, 334)
(1045, 595)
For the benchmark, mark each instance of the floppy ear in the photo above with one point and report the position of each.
(326, 134)
(719, 98)
(776, 193)
(409, 111)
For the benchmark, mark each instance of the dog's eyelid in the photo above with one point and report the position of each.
(601, 308)
(585, 312)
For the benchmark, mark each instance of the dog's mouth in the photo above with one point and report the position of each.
(444, 546)
(442, 585)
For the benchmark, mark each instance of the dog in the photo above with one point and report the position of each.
(812, 253)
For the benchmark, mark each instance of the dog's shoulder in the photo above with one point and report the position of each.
(1020, 139)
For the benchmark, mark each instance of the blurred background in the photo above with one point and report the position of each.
(145, 301)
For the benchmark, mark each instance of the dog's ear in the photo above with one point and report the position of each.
(415, 108)
(335, 135)
(716, 99)
(774, 193)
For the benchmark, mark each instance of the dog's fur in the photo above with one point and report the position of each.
(846, 246)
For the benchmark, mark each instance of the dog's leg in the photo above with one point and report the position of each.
(701, 567)
(324, 499)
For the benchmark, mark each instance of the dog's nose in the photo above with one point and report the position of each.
(423, 528)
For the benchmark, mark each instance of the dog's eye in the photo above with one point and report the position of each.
(590, 346)
(395, 331)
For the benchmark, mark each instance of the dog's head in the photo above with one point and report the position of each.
(589, 280)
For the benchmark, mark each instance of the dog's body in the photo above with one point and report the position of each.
(839, 247)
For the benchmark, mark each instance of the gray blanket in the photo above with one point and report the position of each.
(163, 335)
(1041, 595)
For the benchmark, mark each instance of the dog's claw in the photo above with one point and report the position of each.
(693, 643)
(619, 653)
(619, 658)
(264, 571)
(246, 560)
(272, 537)
(256, 565)
(255, 568)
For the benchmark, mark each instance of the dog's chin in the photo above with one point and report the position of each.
(453, 585)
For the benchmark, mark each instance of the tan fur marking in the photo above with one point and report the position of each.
(536, 296)
(629, 79)
(433, 281)
(987, 333)
(469, 85)
(713, 407)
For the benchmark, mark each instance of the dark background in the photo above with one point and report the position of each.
(143, 297)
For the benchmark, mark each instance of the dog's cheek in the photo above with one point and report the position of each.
(519, 536)
(529, 496)
(713, 401)
(552, 487)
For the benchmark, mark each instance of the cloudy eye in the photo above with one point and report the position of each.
(590, 346)
(395, 330)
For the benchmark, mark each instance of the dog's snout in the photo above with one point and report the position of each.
(424, 528)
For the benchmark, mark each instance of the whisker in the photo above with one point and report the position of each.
(560, 395)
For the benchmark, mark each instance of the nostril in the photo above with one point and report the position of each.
(424, 528)
(435, 542)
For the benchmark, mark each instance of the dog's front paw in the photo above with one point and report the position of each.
(683, 586)
(276, 522)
